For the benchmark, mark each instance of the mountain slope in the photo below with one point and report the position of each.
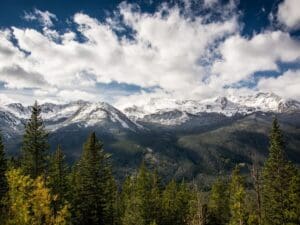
(187, 139)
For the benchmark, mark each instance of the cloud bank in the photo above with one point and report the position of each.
(165, 53)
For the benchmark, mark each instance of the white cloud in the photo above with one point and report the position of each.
(286, 85)
(289, 14)
(165, 52)
(167, 49)
(44, 17)
(4, 99)
(241, 57)
(72, 95)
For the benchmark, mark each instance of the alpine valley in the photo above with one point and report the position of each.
(189, 139)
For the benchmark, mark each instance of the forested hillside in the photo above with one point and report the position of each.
(40, 188)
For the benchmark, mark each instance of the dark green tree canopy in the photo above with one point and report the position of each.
(279, 176)
(94, 188)
(35, 144)
(3, 180)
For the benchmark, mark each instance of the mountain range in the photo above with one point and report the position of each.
(181, 138)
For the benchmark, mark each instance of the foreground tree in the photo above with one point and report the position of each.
(94, 191)
(131, 211)
(219, 203)
(29, 202)
(141, 199)
(280, 184)
(3, 180)
(58, 178)
(35, 145)
(175, 204)
(198, 210)
(237, 201)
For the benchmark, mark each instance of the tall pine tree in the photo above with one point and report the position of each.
(94, 191)
(237, 201)
(279, 178)
(58, 178)
(219, 203)
(175, 204)
(3, 179)
(35, 145)
(141, 198)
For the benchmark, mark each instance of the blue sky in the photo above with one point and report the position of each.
(129, 51)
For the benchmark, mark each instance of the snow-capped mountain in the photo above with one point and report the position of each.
(179, 110)
(164, 111)
(205, 134)
(79, 113)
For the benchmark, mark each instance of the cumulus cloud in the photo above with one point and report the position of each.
(288, 14)
(168, 51)
(241, 57)
(286, 85)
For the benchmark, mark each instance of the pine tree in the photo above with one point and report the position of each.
(294, 198)
(155, 199)
(3, 180)
(58, 178)
(256, 214)
(219, 203)
(237, 201)
(92, 181)
(143, 188)
(141, 198)
(131, 211)
(198, 210)
(278, 177)
(35, 145)
(175, 204)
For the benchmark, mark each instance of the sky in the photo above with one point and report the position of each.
(124, 52)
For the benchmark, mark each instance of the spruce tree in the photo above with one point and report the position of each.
(278, 178)
(58, 178)
(131, 211)
(237, 202)
(93, 186)
(3, 179)
(175, 204)
(141, 198)
(219, 203)
(155, 199)
(35, 144)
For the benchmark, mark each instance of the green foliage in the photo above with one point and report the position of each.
(93, 191)
(58, 178)
(38, 193)
(237, 202)
(279, 189)
(131, 212)
(35, 145)
(141, 198)
(175, 204)
(3, 180)
(198, 210)
(219, 203)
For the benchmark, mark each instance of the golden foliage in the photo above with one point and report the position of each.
(30, 202)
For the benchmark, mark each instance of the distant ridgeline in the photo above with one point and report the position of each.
(40, 188)
(191, 140)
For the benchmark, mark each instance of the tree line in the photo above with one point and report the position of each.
(39, 188)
